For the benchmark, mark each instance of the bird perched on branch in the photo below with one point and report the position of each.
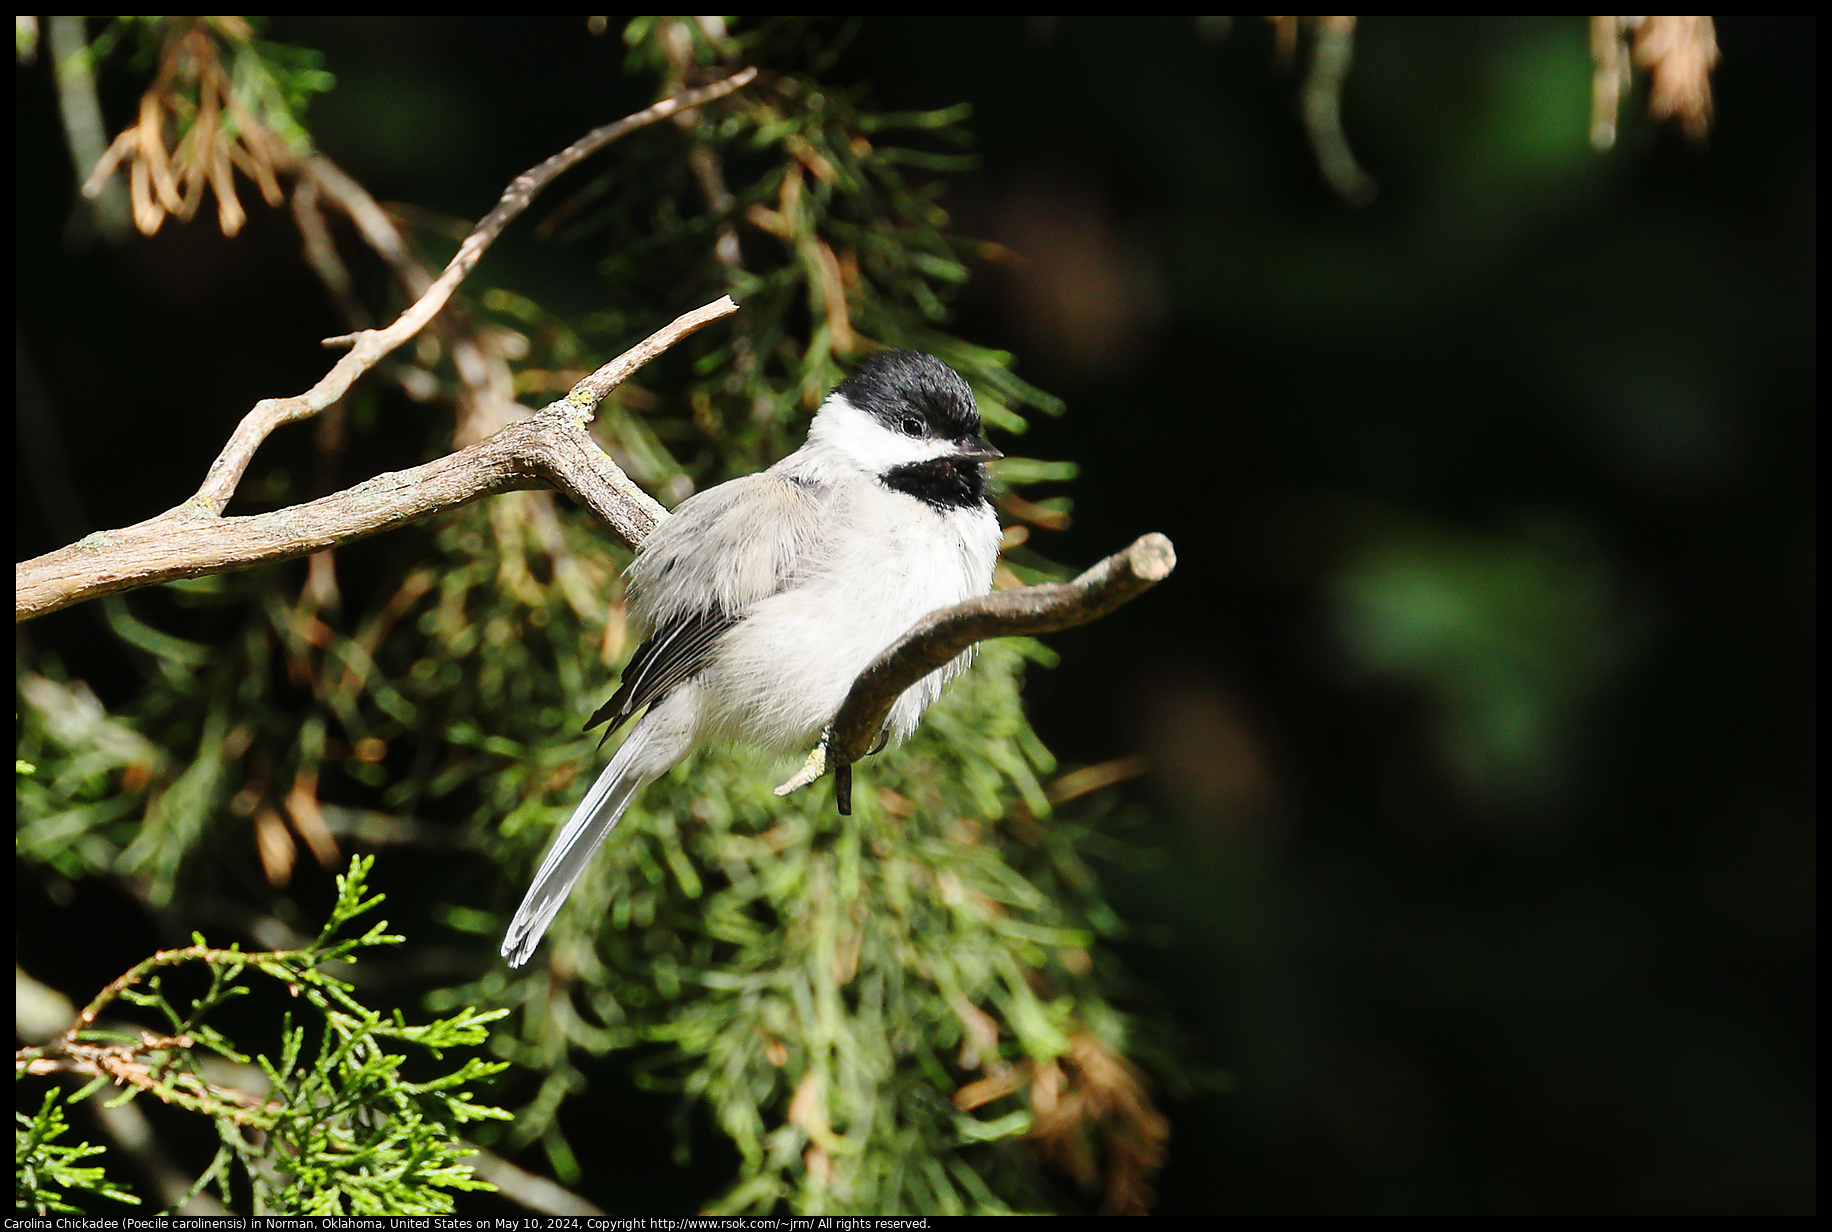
(765, 597)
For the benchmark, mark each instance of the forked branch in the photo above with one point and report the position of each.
(194, 539)
(549, 449)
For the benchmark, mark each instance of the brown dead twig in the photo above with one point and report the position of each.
(220, 135)
(1677, 53)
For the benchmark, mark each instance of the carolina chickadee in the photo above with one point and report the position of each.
(765, 597)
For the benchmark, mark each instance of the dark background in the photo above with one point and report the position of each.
(1476, 863)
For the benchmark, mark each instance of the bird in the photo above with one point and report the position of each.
(764, 597)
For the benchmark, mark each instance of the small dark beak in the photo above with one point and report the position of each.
(977, 451)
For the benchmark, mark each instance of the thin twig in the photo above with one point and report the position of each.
(941, 635)
(486, 400)
(588, 393)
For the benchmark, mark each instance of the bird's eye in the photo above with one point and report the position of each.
(911, 425)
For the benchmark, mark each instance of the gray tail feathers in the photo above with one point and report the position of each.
(633, 768)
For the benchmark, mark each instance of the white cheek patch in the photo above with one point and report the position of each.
(845, 430)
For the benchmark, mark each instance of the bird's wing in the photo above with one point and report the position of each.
(700, 571)
(669, 656)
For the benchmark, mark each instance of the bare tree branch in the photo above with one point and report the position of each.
(549, 449)
(939, 636)
(193, 539)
